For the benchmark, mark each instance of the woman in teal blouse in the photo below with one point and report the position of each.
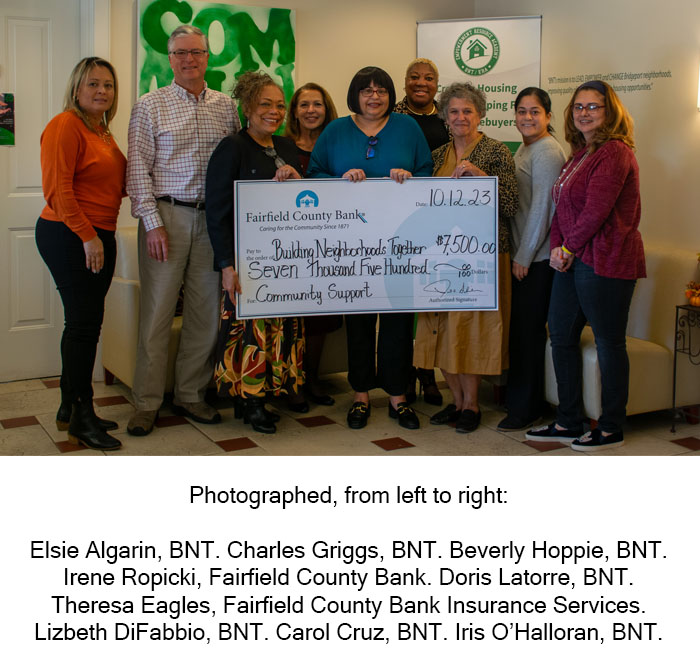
(373, 142)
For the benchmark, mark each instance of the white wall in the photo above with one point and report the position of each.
(334, 40)
(635, 36)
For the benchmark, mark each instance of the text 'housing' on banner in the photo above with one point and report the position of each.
(314, 247)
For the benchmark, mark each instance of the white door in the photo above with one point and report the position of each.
(39, 45)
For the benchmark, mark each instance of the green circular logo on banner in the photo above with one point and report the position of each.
(477, 51)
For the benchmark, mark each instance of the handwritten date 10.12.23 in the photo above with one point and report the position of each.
(457, 197)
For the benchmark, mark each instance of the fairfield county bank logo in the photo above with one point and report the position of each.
(477, 51)
(307, 199)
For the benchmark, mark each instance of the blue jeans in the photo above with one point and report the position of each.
(580, 296)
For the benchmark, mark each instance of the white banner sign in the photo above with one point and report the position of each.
(313, 247)
(501, 56)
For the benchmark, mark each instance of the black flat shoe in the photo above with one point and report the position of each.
(447, 415)
(405, 415)
(468, 421)
(254, 413)
(358, 415)
(63, 419)
(319, 399)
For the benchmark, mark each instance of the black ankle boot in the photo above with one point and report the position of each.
(64, 413)
(84, 429)
(239, 409)
(254, 413)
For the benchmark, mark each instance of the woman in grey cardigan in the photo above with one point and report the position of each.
(538, 162)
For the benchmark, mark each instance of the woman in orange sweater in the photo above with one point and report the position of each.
(83, 174)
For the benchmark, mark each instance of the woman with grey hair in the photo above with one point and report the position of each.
(468, 344)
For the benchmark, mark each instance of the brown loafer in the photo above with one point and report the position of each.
(142, 422)
(199, 411)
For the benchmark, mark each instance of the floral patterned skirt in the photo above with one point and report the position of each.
(257, 356)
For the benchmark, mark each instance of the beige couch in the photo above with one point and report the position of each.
(121, 324)
(650, 341)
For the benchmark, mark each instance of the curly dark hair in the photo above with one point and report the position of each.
(248, 88)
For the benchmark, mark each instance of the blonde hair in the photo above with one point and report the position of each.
(618, 123)
(249, 87)
(80, 72)
(293, 130)
(422, 61)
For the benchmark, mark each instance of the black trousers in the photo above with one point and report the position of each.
(83, 295)
(394, 351)
(528, 336)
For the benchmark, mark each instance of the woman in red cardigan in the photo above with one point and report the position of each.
(597, 251)
(83, 174)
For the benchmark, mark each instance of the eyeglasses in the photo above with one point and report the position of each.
(272, 153)
(368, 92)
(373, 140)
(591, 108)
(182, 53)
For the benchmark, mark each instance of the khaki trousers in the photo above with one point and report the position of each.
(190, 262)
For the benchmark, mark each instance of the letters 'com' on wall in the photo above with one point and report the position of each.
(241, 39)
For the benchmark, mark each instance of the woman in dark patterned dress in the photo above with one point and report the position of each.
(264, 355)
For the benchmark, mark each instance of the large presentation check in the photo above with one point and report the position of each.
(311, 247)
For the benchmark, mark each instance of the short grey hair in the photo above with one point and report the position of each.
(464, 91)
(186, 30)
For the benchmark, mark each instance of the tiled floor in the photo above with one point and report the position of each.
(28, 409)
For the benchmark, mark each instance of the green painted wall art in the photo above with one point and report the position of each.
(241, 39)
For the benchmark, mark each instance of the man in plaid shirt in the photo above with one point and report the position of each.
(172, 133)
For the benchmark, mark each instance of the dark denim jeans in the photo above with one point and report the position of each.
(580, 296)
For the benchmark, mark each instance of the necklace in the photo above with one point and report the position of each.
(415, 112)
(565, 176)
(104, 133)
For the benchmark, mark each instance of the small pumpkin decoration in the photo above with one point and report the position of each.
(692, 293)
